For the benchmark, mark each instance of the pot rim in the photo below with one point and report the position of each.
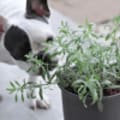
(104, 97)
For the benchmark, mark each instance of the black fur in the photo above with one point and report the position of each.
(17, 43)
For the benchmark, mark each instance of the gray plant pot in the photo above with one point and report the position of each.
(74, 109)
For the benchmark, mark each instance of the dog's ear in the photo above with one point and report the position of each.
(37, 8)
(3, 24)
(17, 43)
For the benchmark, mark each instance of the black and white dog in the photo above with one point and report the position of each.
(25, 25)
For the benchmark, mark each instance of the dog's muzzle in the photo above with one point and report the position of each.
(49, 63)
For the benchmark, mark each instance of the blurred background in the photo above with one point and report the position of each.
(93, 10)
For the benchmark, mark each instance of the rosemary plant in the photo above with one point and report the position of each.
(91, 61)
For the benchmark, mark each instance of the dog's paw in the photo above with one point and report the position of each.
(32, 104)
(40, 104)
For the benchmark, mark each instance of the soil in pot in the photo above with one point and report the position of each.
(109, 92)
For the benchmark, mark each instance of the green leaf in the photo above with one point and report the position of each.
(22, 97)
(17, 83)
(16, 98)
(12, 85)
(108, 36)
(41, 93)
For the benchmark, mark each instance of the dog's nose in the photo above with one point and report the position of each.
(50, 39)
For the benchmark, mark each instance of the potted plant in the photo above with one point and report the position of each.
(89, 74)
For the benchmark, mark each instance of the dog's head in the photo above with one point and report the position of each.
(23, 35)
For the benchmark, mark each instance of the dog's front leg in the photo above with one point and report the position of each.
(37, 101)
